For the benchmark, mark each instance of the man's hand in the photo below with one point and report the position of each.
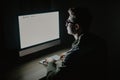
(49, 59)
(62, 56)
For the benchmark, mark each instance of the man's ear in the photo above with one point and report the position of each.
(77, 26)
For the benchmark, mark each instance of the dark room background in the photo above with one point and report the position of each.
(106, 23)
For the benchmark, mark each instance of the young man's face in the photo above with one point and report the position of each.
(70, 25)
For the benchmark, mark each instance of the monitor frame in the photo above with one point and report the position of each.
(41, 46)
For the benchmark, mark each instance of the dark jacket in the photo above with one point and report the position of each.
(86, 60)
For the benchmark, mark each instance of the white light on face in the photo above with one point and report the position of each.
(70, 25)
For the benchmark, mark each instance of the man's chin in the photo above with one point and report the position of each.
(70, 34)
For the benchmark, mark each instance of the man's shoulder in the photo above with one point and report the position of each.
(92, 37)
(91, 41)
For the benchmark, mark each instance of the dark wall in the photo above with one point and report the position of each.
(106, 17)
(8, 32)
(113, 23)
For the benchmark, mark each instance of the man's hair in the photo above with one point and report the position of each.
(82, 17)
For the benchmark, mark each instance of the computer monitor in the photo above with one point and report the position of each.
(38, 31)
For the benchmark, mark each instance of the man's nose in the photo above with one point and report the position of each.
(66, 24)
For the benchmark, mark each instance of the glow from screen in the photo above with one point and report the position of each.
(38, 28)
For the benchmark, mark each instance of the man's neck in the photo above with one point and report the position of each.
(77, 36)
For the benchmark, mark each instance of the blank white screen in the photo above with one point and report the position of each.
(38, 28)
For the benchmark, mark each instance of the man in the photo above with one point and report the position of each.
(87, 57)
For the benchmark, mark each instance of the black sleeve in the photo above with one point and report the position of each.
(72, 59)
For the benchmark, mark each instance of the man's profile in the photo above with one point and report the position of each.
(86, 58)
